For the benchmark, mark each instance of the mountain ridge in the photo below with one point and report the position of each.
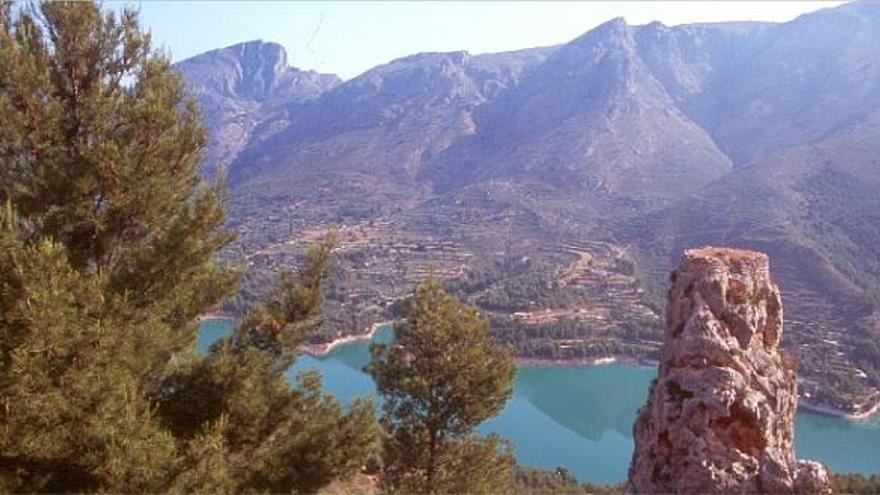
(238, 85)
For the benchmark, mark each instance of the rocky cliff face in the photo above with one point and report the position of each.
(720, 414)
(242, 86)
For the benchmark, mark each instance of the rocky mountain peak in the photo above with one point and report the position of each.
(611, 29)
(252, 71)
(720, 414)
(262, 65)
(611, 39)
(242, 85)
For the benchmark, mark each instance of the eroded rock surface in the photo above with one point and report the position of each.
(720, 414)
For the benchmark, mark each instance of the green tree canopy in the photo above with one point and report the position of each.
(440, 378)
(277, 437)
(99, 151)
(107, 258)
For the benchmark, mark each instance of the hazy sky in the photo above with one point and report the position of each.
(348, 37)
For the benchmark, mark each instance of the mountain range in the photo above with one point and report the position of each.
(555, 187)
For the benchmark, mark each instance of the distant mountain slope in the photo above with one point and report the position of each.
(815, 209)
(761, 87)
(556, 186)
(241, 85)
(391, 119)
(592, 117)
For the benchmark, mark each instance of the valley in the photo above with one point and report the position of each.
(643, 259)
(555, 187)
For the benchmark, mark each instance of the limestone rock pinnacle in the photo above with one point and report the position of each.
(720, 414)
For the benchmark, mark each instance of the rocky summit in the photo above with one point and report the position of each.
(720, 414)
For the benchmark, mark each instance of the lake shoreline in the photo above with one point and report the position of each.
(575, 402)
(860, 417)
(586, 362)
(220, 315)
(321, 350)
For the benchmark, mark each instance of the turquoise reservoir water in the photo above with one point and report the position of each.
(581, 417)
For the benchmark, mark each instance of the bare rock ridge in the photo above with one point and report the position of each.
(720, 414)
(242, 86)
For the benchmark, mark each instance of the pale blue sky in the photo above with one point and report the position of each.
(348, 37)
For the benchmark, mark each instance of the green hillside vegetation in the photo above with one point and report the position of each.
(856, 483)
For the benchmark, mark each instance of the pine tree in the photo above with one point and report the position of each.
(73, 414)
(99, 151)
(107, 257)
(278, 437)
(440, 378)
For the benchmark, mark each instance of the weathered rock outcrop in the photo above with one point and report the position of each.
(720, 414)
